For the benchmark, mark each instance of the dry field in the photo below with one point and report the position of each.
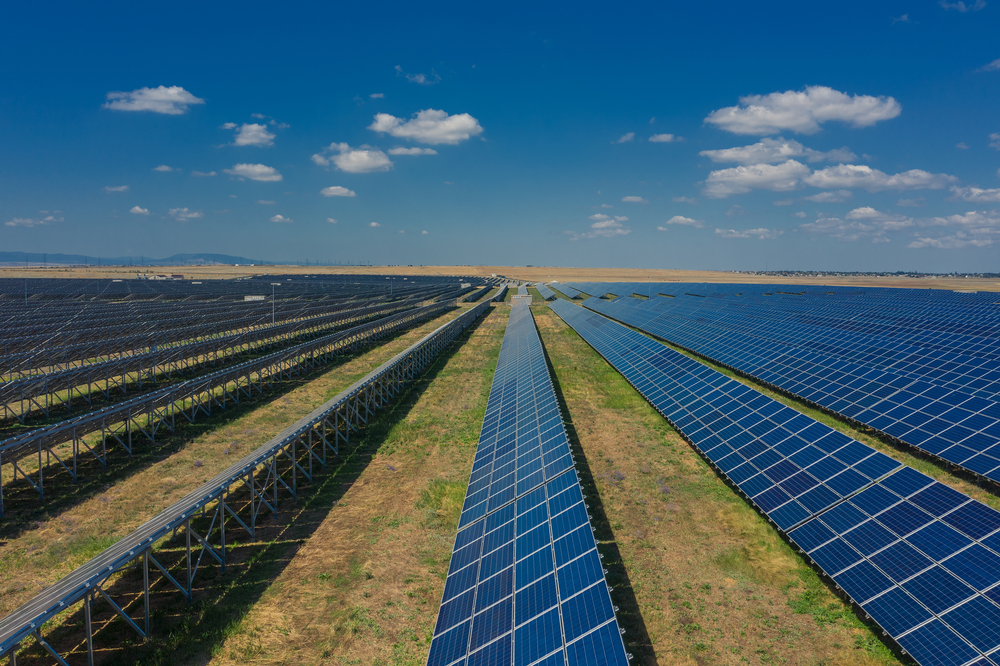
(536, 273)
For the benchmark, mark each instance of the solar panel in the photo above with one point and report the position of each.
(935, 412)
(525, 584)
(922, 559)
(546, 293)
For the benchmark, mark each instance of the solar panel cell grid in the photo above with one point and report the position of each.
(525, 581)
(911, 551)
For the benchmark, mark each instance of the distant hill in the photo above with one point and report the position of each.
(36, 258)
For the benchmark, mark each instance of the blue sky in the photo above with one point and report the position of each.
(852, 136)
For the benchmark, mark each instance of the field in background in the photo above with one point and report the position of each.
(537, 273)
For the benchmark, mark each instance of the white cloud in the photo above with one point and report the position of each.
(331, 220)
(422, 79)
(759, 233)
(337, 191)
(784, 202)
(412, 151)
(776, 150)
(741, 179)
(281, 219)
(802, 111)
(991, 67)
(634, 199)
(905, 18)
(259, 172)
(685, 200)
(252, 134)
(354, 160)
(604, 227)
(995, 140)
(625, 138)
(164, 168)
(605, 206)
(836, 196)
(264, 202)
(181, 214)
(736, 209)
(136, 210)
(234, 125)
(799, 214)
(976, 195)
(912, 203)
(116, 188)
(431, 126)
(685, 221)
(203, 174)
(974, 229)
(424, 232)
(873, 180)
(401, 231)
(34, 221)
(374, 225)
(665, 138)
(962, 7)
(961, 145)
(172, 100)
(377, 95)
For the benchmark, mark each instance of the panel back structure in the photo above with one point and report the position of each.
(525, 585)
(920, 558)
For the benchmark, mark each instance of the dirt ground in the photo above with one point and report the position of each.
(532, 273)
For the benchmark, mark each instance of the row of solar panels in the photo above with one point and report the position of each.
(525, 584)
(546, 293)
(920, 558)
(953, 425)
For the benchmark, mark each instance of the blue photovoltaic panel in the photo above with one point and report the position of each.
(546, 293)
(522, 290)
(566, 289)
(922, 559)
(525, 584)
(885, 361)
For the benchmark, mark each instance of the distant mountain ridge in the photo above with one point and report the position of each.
(58, 259)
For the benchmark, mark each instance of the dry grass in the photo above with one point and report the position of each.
(40, 548)
(535, 273)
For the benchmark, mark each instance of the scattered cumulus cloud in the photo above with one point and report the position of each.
(365, 159)
(258, 172)
(421, 79)
(873, 180)
(116, 188)
(281, 219)
(251, 134)
(634, 199)
(976, 194)
(905, 18)
(164, 168)
(777, 150)
(802, 112)
(182, 214)
(376, 95)
(759, 233)
(137, 210)
(972, 229)
(203, 174)
(424, 232)
(46, 217)
(431, 126)
(337, 191)
(836, 196)
(172, 100)
(995, 140)
(961, 145)
(399, 150)
(265, 202)
(685, 200)
(605, 227)
(684, 221)
(401, 231)
(665, 138)
(991, 67)
(625, 138)
(374, 225)
(740, 180)
(963, 7)
(799, 214)
(331, 220)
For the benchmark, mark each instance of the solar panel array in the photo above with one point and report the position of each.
(568, 290)
(920, 558)
(844, 375)
(546, 293)
(525, 585)
(522, 290)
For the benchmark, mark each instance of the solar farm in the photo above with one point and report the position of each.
(456, 470)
